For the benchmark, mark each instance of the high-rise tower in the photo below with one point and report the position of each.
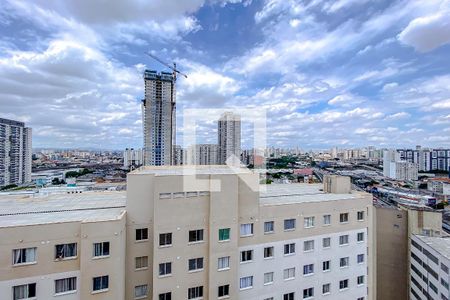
(229, 138)
(158, 113)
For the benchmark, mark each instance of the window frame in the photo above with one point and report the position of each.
(165, 239)
(197, 236)
(102, 250)
(141, 234)
(288, 221)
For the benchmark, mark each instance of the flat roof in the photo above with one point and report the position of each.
(440, 244)
(278, 194)
(21, 210)
(190, 170)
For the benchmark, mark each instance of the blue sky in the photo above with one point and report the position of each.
(343, 73)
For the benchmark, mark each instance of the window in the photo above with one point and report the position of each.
(100, 283)
(140, 291)
(326, 219)
(66, 251)
(308, 245)
(195, 264)
(223, 263)
(308, 269)
(308, 222)
(444, 283)
(344, 262)
(326, 288)
(165, 296)
(165, 239)
(360, 216)
(308, 293)
(141, 262)
(289, 249)
(269, 227)
(268, 278)
(165, 269)
(343, 240)
(289, 296)
(141, 234)
(195, 235)
(101, 249)
(65, 285)
(360, 258)
(326, 265)
(246, 255)
(362, 298)
(24, 256)
(360, 237)
(360, 280)
(246, 282)
(246, 229)
(224, 234)
(268, 252)
(289, 273)
(289, 224)
(343, 218)
(444, 268)
(343, 284)
(24, 291)
(326, 242)
(224, 290)
(195, 292)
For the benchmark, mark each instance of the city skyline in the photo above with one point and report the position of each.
(356, 73)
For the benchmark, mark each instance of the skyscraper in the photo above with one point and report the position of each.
(15, 152)
(229, 138)
(158, 113)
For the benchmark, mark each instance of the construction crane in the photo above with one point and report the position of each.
(174, 68)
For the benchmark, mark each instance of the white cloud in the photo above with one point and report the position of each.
(336, 5)
(398, 116)
(345, 100)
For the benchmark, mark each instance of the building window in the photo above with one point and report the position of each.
(269, 227)
(326, 242)
(165, 296)
(343, 284)
(360, 237)
(326, 219)
(195, 292)
(246, 229)
(224, 234)
(165, 239)
(140, 291)
(326, 265)
(308, 269)
(268, 278)
(246, 255)
(289, 224)
(289, 296)
(308, 222)
(326, 288)
(24, 256)
(224, 290)
(362, 298)
(343, 240)
(289, 249)
(268, 252)
(246, 282)
(444, 268)
(343, 218)
(360, 258)
(101, 249)
(360, 215)
(142, 234)
(223, 263)
(24, 291)
(195, 264)
(360, 280)
(344, 262)
(165, 269)
(289, 273)
(308, 245)
(308, 293)
(195, 235)
(100, 283)
(66, 251)
(65, 285)
(141, 262)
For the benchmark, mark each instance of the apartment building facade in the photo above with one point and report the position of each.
(229, 138)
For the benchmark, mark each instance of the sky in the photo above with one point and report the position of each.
(345, 73)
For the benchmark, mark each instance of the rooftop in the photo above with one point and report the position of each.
(190, 170)
(21, 210)
(440, 244)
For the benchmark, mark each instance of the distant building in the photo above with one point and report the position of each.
(15, 152)
(202, 154)
(395, 168)
(133, 158)
(158, 112)
(427, 159)
(179, 155)
(229, 138)
(439, 185)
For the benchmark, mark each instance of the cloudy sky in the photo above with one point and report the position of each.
(328, 73)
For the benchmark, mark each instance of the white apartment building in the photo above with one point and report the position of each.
(395, 168)
(229, 138)
(430, 264)
(15, 152)
(133, 158)
(202, 154)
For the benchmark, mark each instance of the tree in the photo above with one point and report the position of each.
(55, 181)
